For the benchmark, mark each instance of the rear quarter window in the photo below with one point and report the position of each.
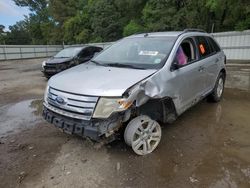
(213, 44)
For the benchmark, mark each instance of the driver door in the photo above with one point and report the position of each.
(188, 77)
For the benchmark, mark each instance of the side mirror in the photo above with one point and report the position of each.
(175, 64)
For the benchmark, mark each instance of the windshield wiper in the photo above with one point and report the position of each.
(123, 65)
(97, 63)
(61, 57)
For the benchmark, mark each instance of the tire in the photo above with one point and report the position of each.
(218, 90)
(143, 134)
(46, 75)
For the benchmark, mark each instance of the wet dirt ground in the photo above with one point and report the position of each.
(208, 146)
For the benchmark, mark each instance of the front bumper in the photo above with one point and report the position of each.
(95, 129)
(49, 70)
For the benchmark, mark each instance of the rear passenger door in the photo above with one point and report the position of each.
(209, 59)
(213, 69)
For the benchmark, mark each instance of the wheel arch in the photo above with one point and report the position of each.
(223, 70)
(162, 109)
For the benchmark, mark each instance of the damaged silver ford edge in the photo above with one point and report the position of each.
(135, 85)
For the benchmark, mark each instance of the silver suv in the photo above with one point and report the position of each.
(135, 85)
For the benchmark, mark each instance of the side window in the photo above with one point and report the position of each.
(98, 49)
(213, 44)
(186, 52)
(92, 51)
(85, 53)
(95, 50)
(203, 46)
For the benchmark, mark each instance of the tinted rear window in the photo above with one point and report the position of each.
(203, 45)
(213, 44)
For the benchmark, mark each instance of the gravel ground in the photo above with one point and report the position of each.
(208, 146)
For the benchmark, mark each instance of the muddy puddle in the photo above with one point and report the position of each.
(208, 146)
(19, 116)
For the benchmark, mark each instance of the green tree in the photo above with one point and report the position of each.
(132, 28)
(130, 10)
(41, 26)
(2, 34)
(83, 21)
(18, 34)
(62, 10)
(162, 15)
(2, 27)
(228, 14)
(34, 5)
(105, 21)
(77, 29)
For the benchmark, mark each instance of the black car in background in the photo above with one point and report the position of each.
(67, 58)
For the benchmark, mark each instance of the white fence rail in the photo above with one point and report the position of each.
(103, 45)
(236, 45)
(27, 51)
(10, 52)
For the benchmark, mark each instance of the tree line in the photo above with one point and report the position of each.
(84, 21)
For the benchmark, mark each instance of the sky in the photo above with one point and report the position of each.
(10, 13)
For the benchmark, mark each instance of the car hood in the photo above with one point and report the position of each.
(58, 60)
(96, 80)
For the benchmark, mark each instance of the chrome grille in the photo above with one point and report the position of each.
(78, 106)
(50, 66)
(54, 66)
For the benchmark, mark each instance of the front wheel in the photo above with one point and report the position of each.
(216, 95)
(143, 134)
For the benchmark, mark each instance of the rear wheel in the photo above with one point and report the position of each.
(217, 93)
(143, 134)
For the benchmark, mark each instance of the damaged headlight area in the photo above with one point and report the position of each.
(106, 106)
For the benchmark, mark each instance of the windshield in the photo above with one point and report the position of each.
(68, 52)
(145, 53)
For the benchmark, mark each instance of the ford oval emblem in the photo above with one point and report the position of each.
(60, 100)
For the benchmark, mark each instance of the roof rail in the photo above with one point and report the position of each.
(194, 30)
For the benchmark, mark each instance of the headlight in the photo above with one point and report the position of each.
(46, 94)
(106, 106)
(43, 64)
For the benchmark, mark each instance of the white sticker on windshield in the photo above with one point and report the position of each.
(150, 53)
(157, 61)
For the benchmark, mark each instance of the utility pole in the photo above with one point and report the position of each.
(212, 29)
(4, 50)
